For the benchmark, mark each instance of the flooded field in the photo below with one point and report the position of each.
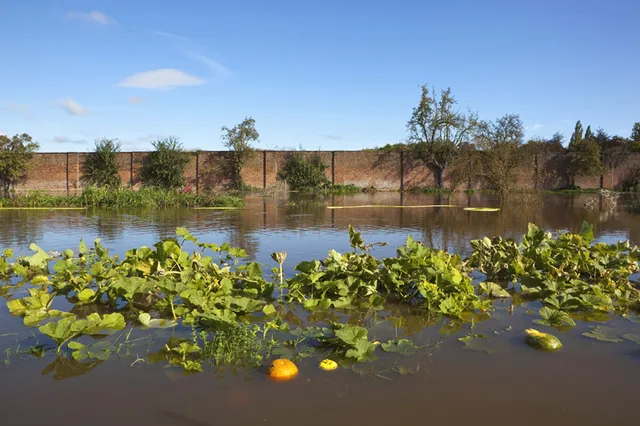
(493, 379)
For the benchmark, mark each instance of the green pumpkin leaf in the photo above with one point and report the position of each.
(86, 295)
(269, 310)
(351, 334)
(554, 318)
(603, 334)
(401, 346)
(493, 290)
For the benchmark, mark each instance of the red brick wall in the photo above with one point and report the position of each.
(57, 173)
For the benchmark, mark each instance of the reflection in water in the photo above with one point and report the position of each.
(570, 386)
(65, 368)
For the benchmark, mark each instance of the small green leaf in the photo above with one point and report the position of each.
(632, 337)
(401, 346)
(86, 295)
(40, 279)
(269, 310)
(603, 334)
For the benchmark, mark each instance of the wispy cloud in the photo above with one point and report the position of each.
(214, 66)
(162, 79)
(66, 140)
(134, 100)
(194, 51)
(94, 16)
(537, 126)
(2, 133)
(332, 137)
(72, 107)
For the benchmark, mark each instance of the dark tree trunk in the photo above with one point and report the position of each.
(440, 177)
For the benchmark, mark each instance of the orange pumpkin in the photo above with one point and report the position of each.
(282, 369)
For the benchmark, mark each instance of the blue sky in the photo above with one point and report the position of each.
(317, 74)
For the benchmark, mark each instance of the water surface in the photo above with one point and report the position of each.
(587, 382)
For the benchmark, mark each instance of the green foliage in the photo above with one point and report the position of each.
(100, 167)
(239, 140)
(500, 143)
(164, 167)
(302, 173)
(124, 197)
(635, 132)
(585, 159)
(15, 157)
(437, 130)
(183, 283)
(604, 334)
(567, 272)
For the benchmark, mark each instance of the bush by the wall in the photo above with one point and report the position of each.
(164, 167)
(304, 173)
(100, 167)
(15, 157)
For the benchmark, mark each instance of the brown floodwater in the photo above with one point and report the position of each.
(587, 382)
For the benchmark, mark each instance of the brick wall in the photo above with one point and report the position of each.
(61, 173)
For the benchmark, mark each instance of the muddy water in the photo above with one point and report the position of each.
(587, 382)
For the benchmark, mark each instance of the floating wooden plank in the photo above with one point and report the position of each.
(386, 206)
(482, 209)
(43, 208)
(215, 208)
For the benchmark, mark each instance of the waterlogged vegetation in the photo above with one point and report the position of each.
(123, 197)
(193, 305)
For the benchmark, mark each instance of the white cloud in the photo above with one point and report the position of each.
(162, 79)
(93, 16)
(2, 133)
(72, 107)
(134, 100)
(537, 126)
(64, 139)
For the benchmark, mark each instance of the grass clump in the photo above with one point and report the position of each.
(123, 197)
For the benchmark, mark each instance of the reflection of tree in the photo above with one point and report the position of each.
(66, 368)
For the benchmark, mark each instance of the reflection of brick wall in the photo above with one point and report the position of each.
(57, 173)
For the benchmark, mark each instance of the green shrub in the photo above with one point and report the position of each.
(100, 167)
(304, 173)
(632, 183)
(15, 156)
(164, 167)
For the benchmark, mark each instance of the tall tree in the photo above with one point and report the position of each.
(635, 132)
(576, 137)
(436, 130)
(588, 134)
(239, 140)
(500, 142)
(15, 156)
(584, 154)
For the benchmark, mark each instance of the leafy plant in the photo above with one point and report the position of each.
(302, 173)
(100, 167)
(164, 166)
(239, 139)
(15, 157)
(554, 318)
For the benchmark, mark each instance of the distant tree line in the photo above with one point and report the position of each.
(447, 139)
(163, 167)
